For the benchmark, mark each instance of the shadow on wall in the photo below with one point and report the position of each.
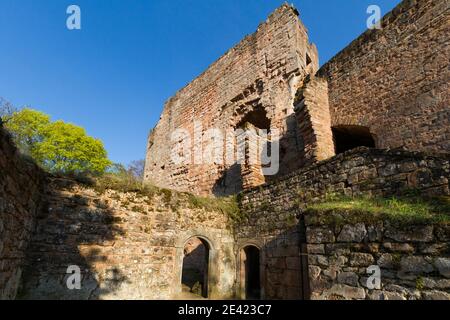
(283, 267)
(230, 182)
(291, 156)
(74, 229)
(195, 267)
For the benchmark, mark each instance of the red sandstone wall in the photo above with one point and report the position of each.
(20, 188)
(395, 80)
(263, 70)
(127, 245)
(272, 224)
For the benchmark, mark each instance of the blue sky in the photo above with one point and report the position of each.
(113, 76)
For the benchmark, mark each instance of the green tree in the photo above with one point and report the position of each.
(57, 146)
(27, 127)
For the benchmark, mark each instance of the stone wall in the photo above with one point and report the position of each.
(414, 261)
(273, 210)
(390, 82)
(128, 245)
(314, 121)
(261, 73)
(20, 189)
(131, 245)
(395, 80)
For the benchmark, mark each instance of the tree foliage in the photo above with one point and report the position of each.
(57, 146)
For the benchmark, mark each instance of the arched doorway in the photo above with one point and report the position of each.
(250, 273)
(350, 137)
(195, 271)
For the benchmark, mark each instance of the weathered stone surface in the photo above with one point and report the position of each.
(416, 234)
(393, 296)
(436, 295)
(320, 235)
(399, 247)
(434, 249)
(443, 265)
(131, 247)
(375, 295)
(416, 265)
(340, 291)
(349, 278)
(125, 247)
(386, 261)
(314, 272)
(356, 82)
(375, 233)
(355, 233)
(361, 259)
(316, 249)
(256, 75)
(20, 199)
(345, 92)
(443, 233)
(443, 284)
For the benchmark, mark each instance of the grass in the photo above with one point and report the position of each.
(173, 199)
(401, 210)
(226, 205)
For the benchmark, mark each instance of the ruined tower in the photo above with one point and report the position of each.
(254, 82)
(387, 89)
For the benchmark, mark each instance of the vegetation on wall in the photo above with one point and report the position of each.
(407, 209)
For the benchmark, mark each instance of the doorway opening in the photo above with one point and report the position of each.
(350, 137)
(250, 273)
(194, 279)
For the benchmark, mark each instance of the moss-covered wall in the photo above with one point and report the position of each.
(273, 211)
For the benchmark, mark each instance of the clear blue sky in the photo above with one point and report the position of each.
(113, 76)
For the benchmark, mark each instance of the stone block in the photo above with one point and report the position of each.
(416, 265)
(315, 235)
(353, 233)
(348, 278)
(345, 292)
(443, 265)
(361, 260)
(413, 234)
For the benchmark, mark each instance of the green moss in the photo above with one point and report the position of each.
(291, 221)
(420, 284)
(401, 210)
(265, 206)
(172, 200)
(167, 195)
(396, 260)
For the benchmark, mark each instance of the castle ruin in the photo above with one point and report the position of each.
(373, 121)
(387, 89)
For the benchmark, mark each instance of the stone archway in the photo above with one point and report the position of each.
(250, 273)
(350, 137)
(195, 267)
(209, 286)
